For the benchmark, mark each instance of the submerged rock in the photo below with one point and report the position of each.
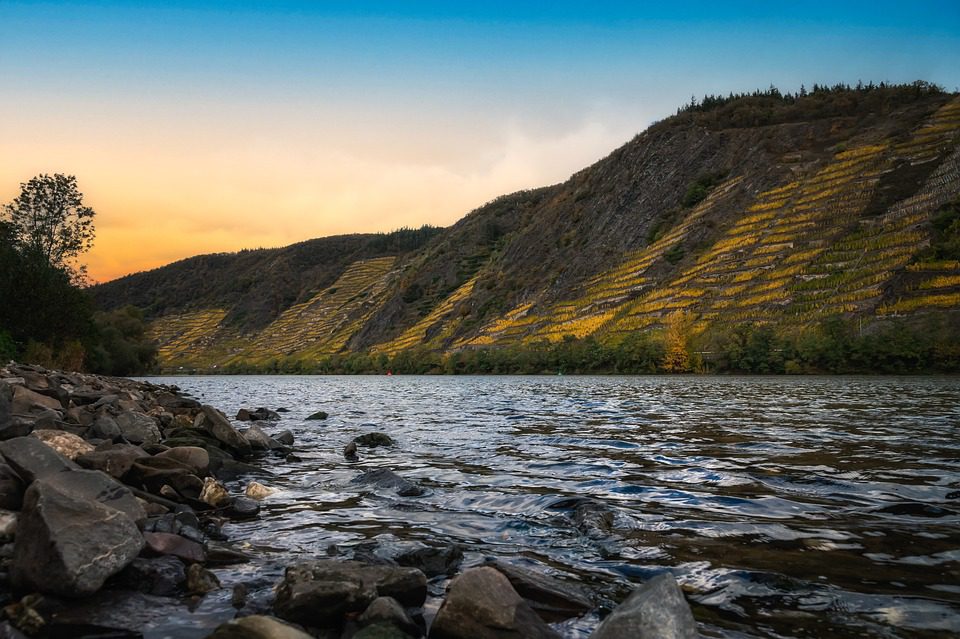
(481, 604)
(350, 452)
(320, 593)
(384, 478)
(53, 557)
(655, 610)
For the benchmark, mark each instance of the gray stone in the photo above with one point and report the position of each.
(98, 486)
(373, 440)
(655, 610)
(383, 630)
(384, 478)
(387, 610)
(481, 604)
(68, 546)
(196, 458)
(31, 459)
(220, 427)
(285, 438)
(320, 593)
(138, 428)
(261, 415)
(319, 415)
(552, 599)
(259, 439)
(242, 508)
(257, 627)
(115, 461)
(169, 544)
(105, 427)
(27, 402)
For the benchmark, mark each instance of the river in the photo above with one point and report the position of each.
(784, 506)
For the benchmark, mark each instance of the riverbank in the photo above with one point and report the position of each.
(114, 502)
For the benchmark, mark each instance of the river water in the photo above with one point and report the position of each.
(784, 506)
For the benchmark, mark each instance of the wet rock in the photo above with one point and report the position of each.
(239, 595)
(100, 487)
(223, 556)
(200, 581)
(113, 615)
(373, 440)
(229, 469)
(169, 544)
(321, 592)
(319, 415)
(433, 560)
(655, 610)
(388, 611)
(259, 439)
(50, 555)
(163, 576)
(220, 427)
(214, 493)
(383, 631)
(551, 599)
(115, 461)
(285, 438)
(259, 415)
(11, 489)
(256, 490)
(67, 444)
(138, 428)
(590, 516)
(293, 458)
(257, 627)
(384, 478)
(242, 508)
(481, 604)
(31, 459)
(350, 452)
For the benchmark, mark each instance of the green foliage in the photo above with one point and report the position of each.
(8, 348)
(945, 244)
(700, 189)
(122, 346)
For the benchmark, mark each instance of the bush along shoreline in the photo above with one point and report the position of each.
(112, 503)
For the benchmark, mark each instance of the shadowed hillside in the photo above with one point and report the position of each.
(761, 209)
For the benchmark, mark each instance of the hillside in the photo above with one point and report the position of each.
(760, 209)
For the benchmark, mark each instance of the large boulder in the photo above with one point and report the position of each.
(220, 427)
(68, 546)
(138, 428)
(31, 459)
(27, 402)
(98, 486)
(257, 627)
(259, 439)
(320, 593)
(481, 604)
(655, 610)
(552, 599)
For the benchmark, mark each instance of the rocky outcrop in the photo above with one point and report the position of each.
(655, 610)
(481, 604)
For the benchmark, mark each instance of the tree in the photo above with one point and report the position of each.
(49, 221)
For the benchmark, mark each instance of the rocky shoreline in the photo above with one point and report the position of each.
(112, 501)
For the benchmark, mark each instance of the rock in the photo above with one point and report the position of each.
(551, 599)
(68, 445)
(321, 592)
(97, 486)
(373, 440)
(243, 415)
(11, 489)
(218, 426)
(260, 415)
(138, 428)
(257, 627)
(384, 478)
(214, 493)
(8, 525)
(285, 438)
(242, 508)
(177, 404)
(6, 404)
(169, 544)
(26, 402)
(590, 516)
(388, 611)
(481, 604)
(79, 416)
(319, 415)
(350, 452)
(105, 427)
(433, 560)
(383, 631)
(115, 615)
(239, 596)
(53, 557)
(256, 490)
(259, 439)
(228, 470)
(200, 581)
(162, 576)
(115, 461)
(655, 610)
(31, 459)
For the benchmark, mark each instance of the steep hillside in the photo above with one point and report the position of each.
(761, 209)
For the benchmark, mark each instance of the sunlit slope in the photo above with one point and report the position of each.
(317, 327)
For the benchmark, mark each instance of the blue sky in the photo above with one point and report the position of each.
(251, 123)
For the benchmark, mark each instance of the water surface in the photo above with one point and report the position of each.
(785, 507)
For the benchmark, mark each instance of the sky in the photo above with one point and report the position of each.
(201, 127)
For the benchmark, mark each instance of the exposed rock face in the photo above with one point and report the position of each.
(481, 604)
(321, 592)
(655, 610)
(257, 627)
(68, 546)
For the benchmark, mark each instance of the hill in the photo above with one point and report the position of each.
(763, 209)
